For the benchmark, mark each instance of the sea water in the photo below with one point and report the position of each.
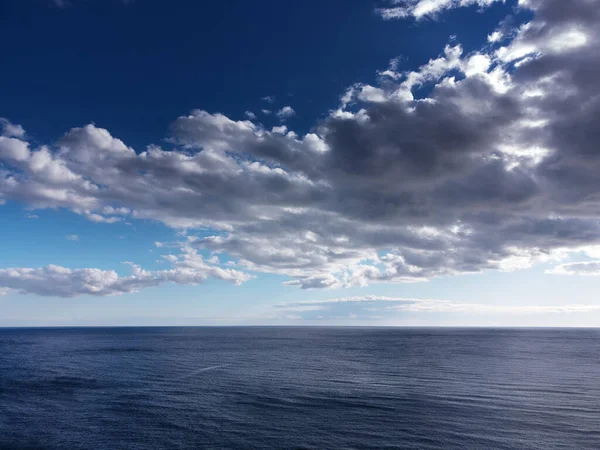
(288, 387)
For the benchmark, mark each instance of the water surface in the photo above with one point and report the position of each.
(230, 388)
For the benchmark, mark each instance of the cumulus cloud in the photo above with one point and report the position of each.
(474, 161)
(13, 149)
(495, 36)
(56, 281)
(286, 112)
(10, 129)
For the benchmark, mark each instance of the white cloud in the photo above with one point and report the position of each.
(11, 130)
(279, 130)
(420, 9)
(587, 268)
(72, 237)
(477, 64)
(286, 112)
(376, 308)
(13, 149)
(56, 281)
(495, 36)
(371, 94)
(250, 115)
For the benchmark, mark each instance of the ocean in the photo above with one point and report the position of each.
(299, 388)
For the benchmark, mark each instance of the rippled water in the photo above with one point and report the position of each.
(137, 388)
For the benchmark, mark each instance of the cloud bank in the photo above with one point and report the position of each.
(376, 308)
(56, 281)
(495, 168)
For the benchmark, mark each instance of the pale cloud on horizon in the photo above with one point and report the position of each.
(375, 308)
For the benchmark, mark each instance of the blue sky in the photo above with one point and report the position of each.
(419, 162)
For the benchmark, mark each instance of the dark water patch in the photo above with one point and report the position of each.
(61, 384)
(114, 350)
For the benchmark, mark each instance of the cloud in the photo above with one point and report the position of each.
(56, 281)
(250, 115)
(286, 112)
(11, 130)
(268, 99)
(376, 308)
(72, 237)
(587, 268)
(474, 161)
(13, 149)
(495, 36)
(419, 9)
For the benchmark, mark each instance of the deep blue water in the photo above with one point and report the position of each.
(139, 388)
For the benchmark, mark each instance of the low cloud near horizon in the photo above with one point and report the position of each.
(371, 308)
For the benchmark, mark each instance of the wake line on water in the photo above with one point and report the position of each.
(204, 369)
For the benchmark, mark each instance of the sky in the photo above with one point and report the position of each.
(355, 162)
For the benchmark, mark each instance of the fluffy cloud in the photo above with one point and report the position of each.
(472, 162)
(13, 149)
(286, 112)
(11, 130)
(57, 281)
